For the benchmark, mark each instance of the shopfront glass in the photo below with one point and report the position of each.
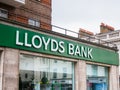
(38, 73)
(97, 77)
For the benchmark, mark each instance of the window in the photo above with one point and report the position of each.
(34, 22)
(114, 35)
(38, 75)
(55, 73)
(55, 61)
(38, 0)
(37, 23)
(20, 1)
(64, 72)
(97, 77)
(102, 36)
(3, 13)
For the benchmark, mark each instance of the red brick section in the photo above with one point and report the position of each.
(106, 28)
(24, 19)
(47, 2)
(110, 27)
(46, 26)
(33, 9)
(86, 31)
(18, 18)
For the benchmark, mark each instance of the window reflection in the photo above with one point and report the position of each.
(38, 73)
(97, 77)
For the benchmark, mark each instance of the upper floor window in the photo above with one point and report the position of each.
(34, 22)
(114, 35)
(3, 13)
(38, 0)
(102, 37)
(20, 1)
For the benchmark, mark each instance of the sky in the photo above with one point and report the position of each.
(86, 14)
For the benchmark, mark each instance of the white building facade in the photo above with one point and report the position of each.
(111, 37)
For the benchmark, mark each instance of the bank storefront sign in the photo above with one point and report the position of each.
(19, 38)
(50, 44)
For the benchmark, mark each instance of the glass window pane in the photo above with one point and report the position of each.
(37, 23)
(97, 77)
(3, 13)
(31, 22)
(38, 73)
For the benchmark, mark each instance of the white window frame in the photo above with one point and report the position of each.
(34, 22)
(20, 1)
(3, 13)
(37, 23)
(31, 22)
(38, 0)
(116, 34)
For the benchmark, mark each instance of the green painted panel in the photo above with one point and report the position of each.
(14, 37)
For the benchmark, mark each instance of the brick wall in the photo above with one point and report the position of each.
(33, 9)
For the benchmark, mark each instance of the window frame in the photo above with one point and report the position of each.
(67, 81)
(3, 13)
(34, 22)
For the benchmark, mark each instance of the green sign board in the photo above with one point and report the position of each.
(14, 37)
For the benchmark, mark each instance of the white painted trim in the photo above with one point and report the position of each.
(20, 1)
